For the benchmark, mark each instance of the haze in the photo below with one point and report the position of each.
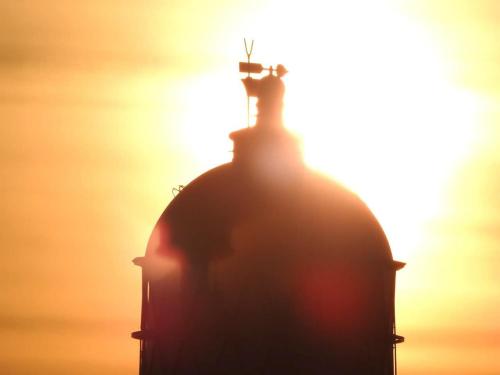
(107, 105)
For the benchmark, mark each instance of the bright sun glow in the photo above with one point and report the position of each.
(368, 95)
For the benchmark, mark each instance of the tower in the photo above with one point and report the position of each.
(261, 266)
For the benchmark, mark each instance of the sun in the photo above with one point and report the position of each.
(385, 121)
(370, 97)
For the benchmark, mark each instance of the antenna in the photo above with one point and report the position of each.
(249, 54)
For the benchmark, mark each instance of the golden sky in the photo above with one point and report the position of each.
(106, 105)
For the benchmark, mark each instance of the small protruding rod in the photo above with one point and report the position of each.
(398, 265)
(397, 339)
(248, 51)
(249, 55)
(139, 261)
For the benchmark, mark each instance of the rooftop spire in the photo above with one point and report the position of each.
(268, 90)
(268, 139)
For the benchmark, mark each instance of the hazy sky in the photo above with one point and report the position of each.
(106, 105)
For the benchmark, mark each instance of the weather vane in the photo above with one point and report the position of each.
(251, 85)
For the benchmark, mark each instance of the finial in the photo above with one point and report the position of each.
(269, 90)
(249, 54)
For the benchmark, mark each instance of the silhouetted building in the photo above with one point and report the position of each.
(261, 266)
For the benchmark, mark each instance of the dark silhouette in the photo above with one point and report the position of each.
(261, 266)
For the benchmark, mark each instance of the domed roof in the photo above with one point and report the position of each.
(267, 198)
(264, 266)
(293, 209)
(299, 260)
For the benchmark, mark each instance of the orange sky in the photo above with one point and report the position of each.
(106, 105)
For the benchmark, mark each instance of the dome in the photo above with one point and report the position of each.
(285, 258)
(263, 266)
(207, 216)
